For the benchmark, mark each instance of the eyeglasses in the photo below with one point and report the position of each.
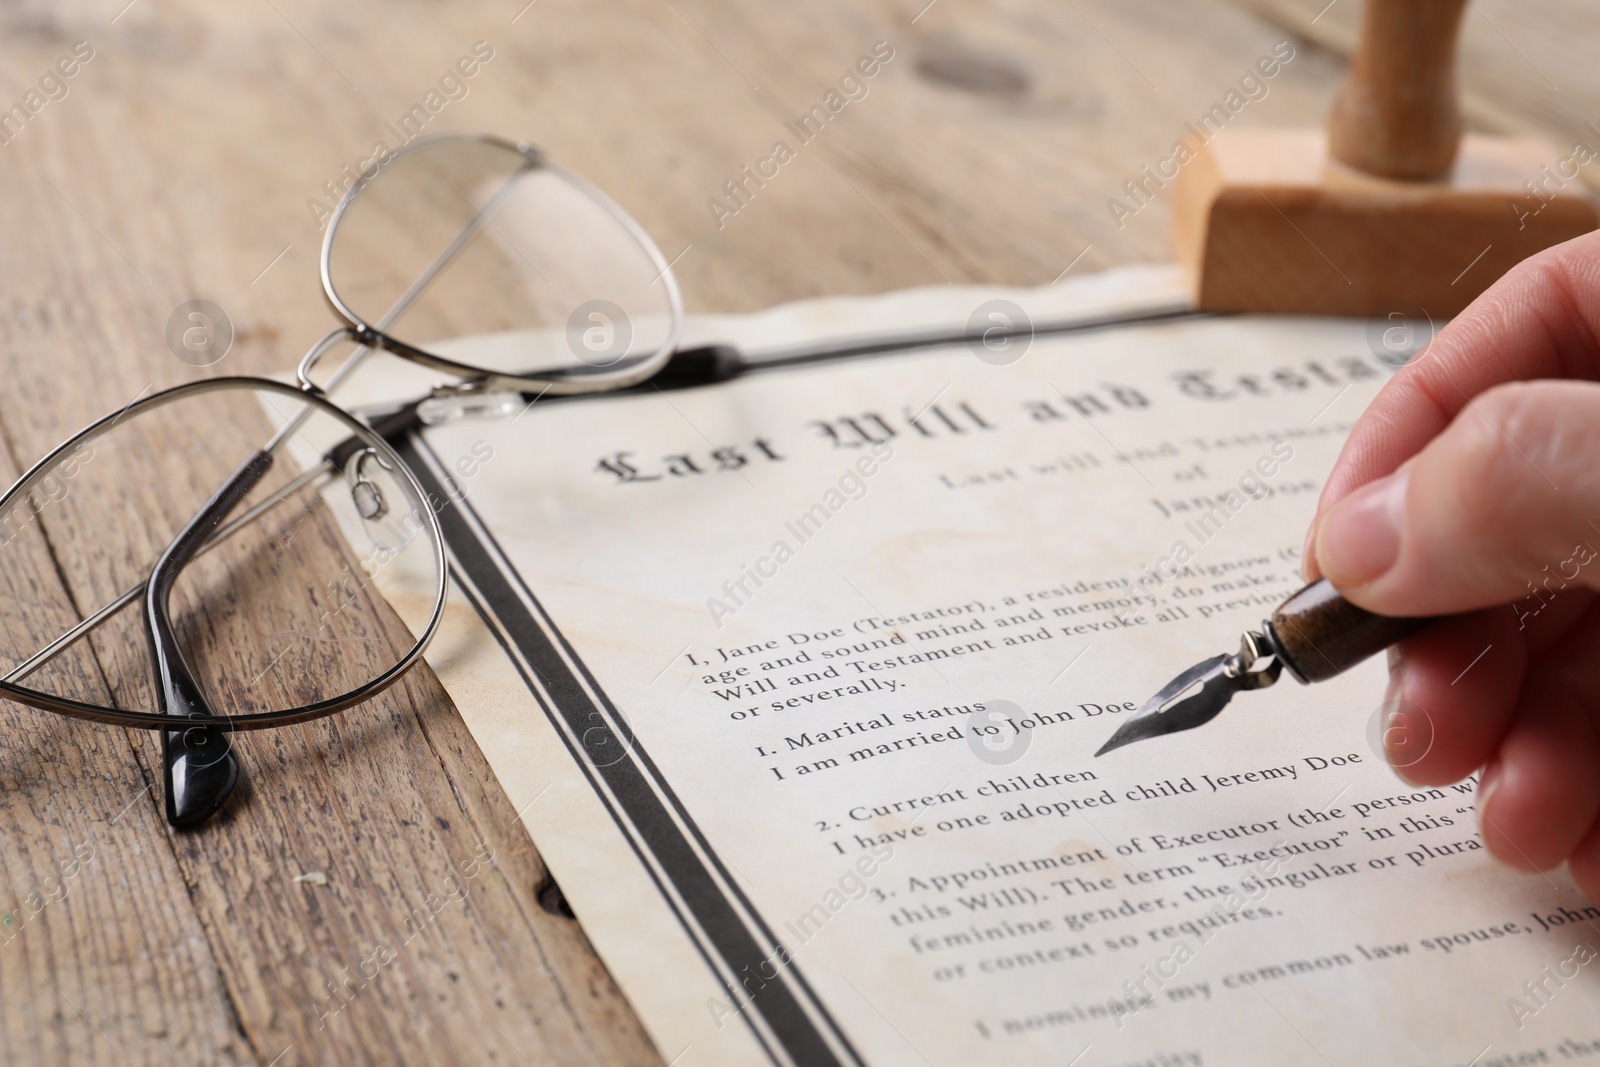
(254, 604)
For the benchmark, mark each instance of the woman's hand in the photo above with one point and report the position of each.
(1471, 487)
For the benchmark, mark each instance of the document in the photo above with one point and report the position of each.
(797, 681)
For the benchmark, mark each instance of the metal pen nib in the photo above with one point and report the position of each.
(1199, 694)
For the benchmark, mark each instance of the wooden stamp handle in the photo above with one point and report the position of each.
(1396, 115)
(1317, 633)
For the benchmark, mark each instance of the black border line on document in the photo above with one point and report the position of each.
(784, 1015)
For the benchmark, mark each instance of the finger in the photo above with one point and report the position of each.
(1569, 662)
(1561, 617)
(1453, 686)
(1451, 695)
(1539, 797)
(1540, 320)
(1500, 507)
(1585, 862)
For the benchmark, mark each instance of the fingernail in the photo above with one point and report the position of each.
(1360, 538)
(1396, 690)
(1398, 735)
(1488, 783)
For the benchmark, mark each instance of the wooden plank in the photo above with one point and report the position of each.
(932, 177)
(102, 955)
(390, 800)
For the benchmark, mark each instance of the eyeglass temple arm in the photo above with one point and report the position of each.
(199, 765)
(388, 426)
(687, 368)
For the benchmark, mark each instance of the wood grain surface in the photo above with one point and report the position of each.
(179, 165)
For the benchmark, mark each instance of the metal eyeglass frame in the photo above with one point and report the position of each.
(198, 781)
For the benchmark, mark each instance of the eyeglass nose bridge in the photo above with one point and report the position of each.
(366, 337)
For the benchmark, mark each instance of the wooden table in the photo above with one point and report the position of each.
(180, 165)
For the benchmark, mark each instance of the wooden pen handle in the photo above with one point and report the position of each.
(1396, 115)
(1317, 633)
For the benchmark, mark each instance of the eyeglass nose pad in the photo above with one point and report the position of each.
(364, 492)
(201, 771)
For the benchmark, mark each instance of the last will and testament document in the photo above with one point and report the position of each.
(797, 680)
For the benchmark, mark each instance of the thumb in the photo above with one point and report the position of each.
(1503, 505)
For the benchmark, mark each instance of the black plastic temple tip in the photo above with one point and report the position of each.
(201, 771)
